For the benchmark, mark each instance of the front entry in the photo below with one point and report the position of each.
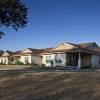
(72, 59)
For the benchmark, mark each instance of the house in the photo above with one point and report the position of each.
(76, 55)
(6, 57)
(64, 54)
(1, 52)
(26, 56)
(30, 56)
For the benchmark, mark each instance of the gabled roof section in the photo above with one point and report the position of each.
(90, 47)
(29, 50)
(64, 46)
(7, 53)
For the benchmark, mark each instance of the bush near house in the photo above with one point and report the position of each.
(2, 64)
(34, 64)
(19, 63)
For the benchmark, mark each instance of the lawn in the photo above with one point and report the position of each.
(49, 85)
(13, 67)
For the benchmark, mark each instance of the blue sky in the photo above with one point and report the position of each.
(55, 21)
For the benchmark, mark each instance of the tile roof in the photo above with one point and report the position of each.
(35, 52)
(90, 47)
(32, 49)
(40, 51)
(46, 49)
(75, 50)
(10, 52)
(17, 53)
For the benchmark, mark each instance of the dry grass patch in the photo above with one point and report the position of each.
(50, 86)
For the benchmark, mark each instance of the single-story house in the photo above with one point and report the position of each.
(26, 56)
(6, 57)
(30, 56)
(75, 55)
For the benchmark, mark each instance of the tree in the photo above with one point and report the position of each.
(13, 13)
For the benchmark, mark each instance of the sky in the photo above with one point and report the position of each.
(51, 22)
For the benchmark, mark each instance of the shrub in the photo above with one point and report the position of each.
(19, 63)
(2, 63)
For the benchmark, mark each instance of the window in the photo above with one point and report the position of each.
(59, 58)
(1, 60)
(5, 61)
(48, 59)
(26, 60)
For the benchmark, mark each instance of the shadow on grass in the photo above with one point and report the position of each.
(43, 69)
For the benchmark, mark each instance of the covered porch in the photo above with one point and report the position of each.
(78, 59)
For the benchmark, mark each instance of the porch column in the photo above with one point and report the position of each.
(66, 59)
(54, 60)
(79, 61)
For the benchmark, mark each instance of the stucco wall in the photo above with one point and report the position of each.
(31, 59)
(44, 59)
(36, 60)
(23, 59)
(53, 57)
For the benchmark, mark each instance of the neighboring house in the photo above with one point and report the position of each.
(26, 56)
(69, 54)
(6, 57)
(1, 52)
(31, 56)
